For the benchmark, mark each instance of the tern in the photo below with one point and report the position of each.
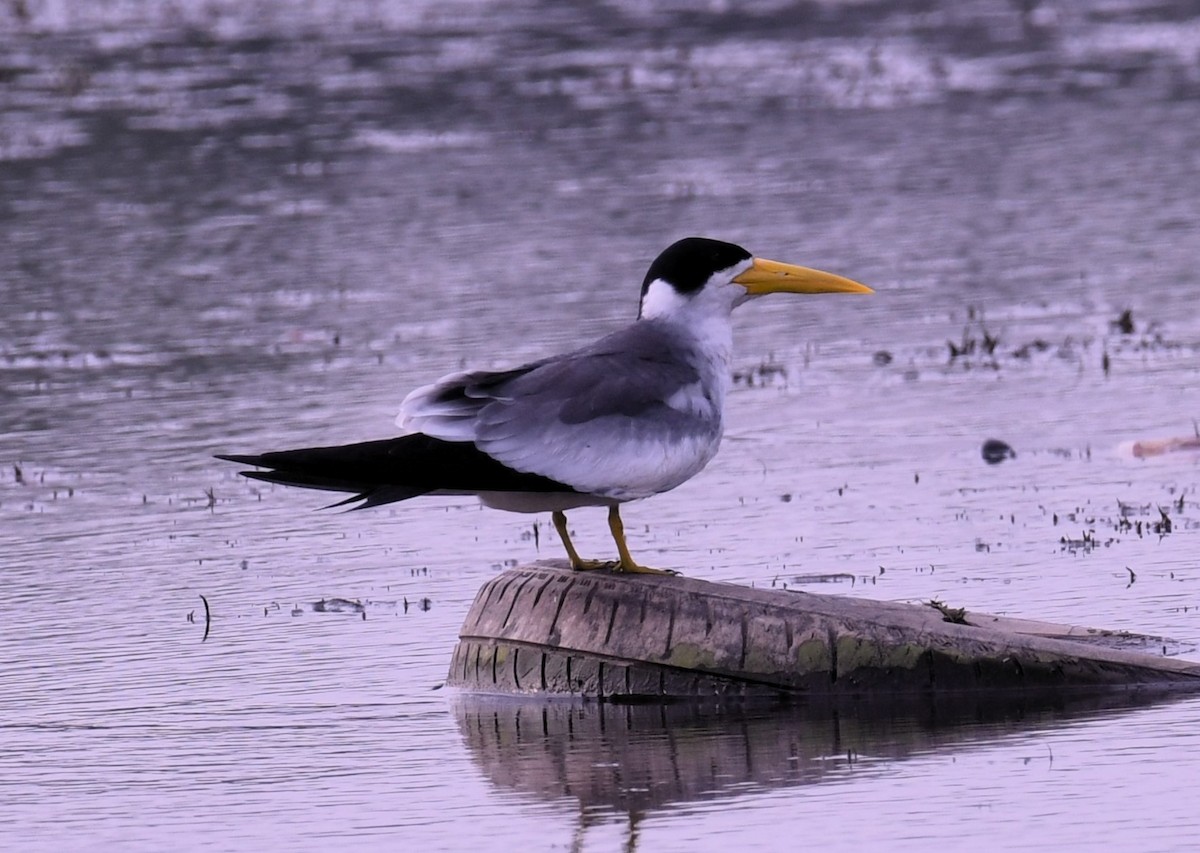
(634, 414)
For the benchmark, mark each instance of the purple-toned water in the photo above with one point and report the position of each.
(238, 227)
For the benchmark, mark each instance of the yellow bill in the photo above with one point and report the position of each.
(775, 277)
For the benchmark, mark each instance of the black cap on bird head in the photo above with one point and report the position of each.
(688, 263)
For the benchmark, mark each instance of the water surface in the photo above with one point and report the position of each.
(246, 227)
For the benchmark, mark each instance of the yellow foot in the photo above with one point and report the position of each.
(592, 565)
(635, 569)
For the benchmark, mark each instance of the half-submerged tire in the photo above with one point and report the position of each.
(546, 629)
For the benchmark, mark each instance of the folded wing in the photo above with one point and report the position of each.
(630, 416)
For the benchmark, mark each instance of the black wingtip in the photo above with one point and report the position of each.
(346, 502)
(239, 459)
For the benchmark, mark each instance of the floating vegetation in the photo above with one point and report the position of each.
(339, 605)
(1131, 517)
(980, 346)
(1161, 526)
(1085, 543)
(830, 577)
(975, 340)
(1026, 351)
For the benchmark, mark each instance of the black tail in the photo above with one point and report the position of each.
(394, 469)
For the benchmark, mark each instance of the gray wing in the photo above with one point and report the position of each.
(633, 409)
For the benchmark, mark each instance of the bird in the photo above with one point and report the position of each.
(634, 414)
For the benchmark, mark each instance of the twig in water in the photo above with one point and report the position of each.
(207, 618)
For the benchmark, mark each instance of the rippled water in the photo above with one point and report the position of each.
(249, 226)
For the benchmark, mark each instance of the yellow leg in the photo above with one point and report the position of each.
(626, 563)
(577, 563)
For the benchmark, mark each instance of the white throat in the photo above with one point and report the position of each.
(704, 316)
(662, 301)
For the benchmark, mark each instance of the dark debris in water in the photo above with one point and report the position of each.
(338, 605)
(353, 607)
(1085, 543)
(765, 373)
(995, 451)
(975, 340)
(1124, 323)
(831, 577)
(1161, 526)
(978, 346)
(1132, 517)
(823, 578)
(423, 604)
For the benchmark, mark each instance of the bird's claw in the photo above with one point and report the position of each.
(592, 565)
(618, 566)
(635, 569)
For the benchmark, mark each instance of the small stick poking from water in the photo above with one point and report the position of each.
(207, 618)
(1132, 577)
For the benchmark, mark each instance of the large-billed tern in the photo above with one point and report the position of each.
(634, 414)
